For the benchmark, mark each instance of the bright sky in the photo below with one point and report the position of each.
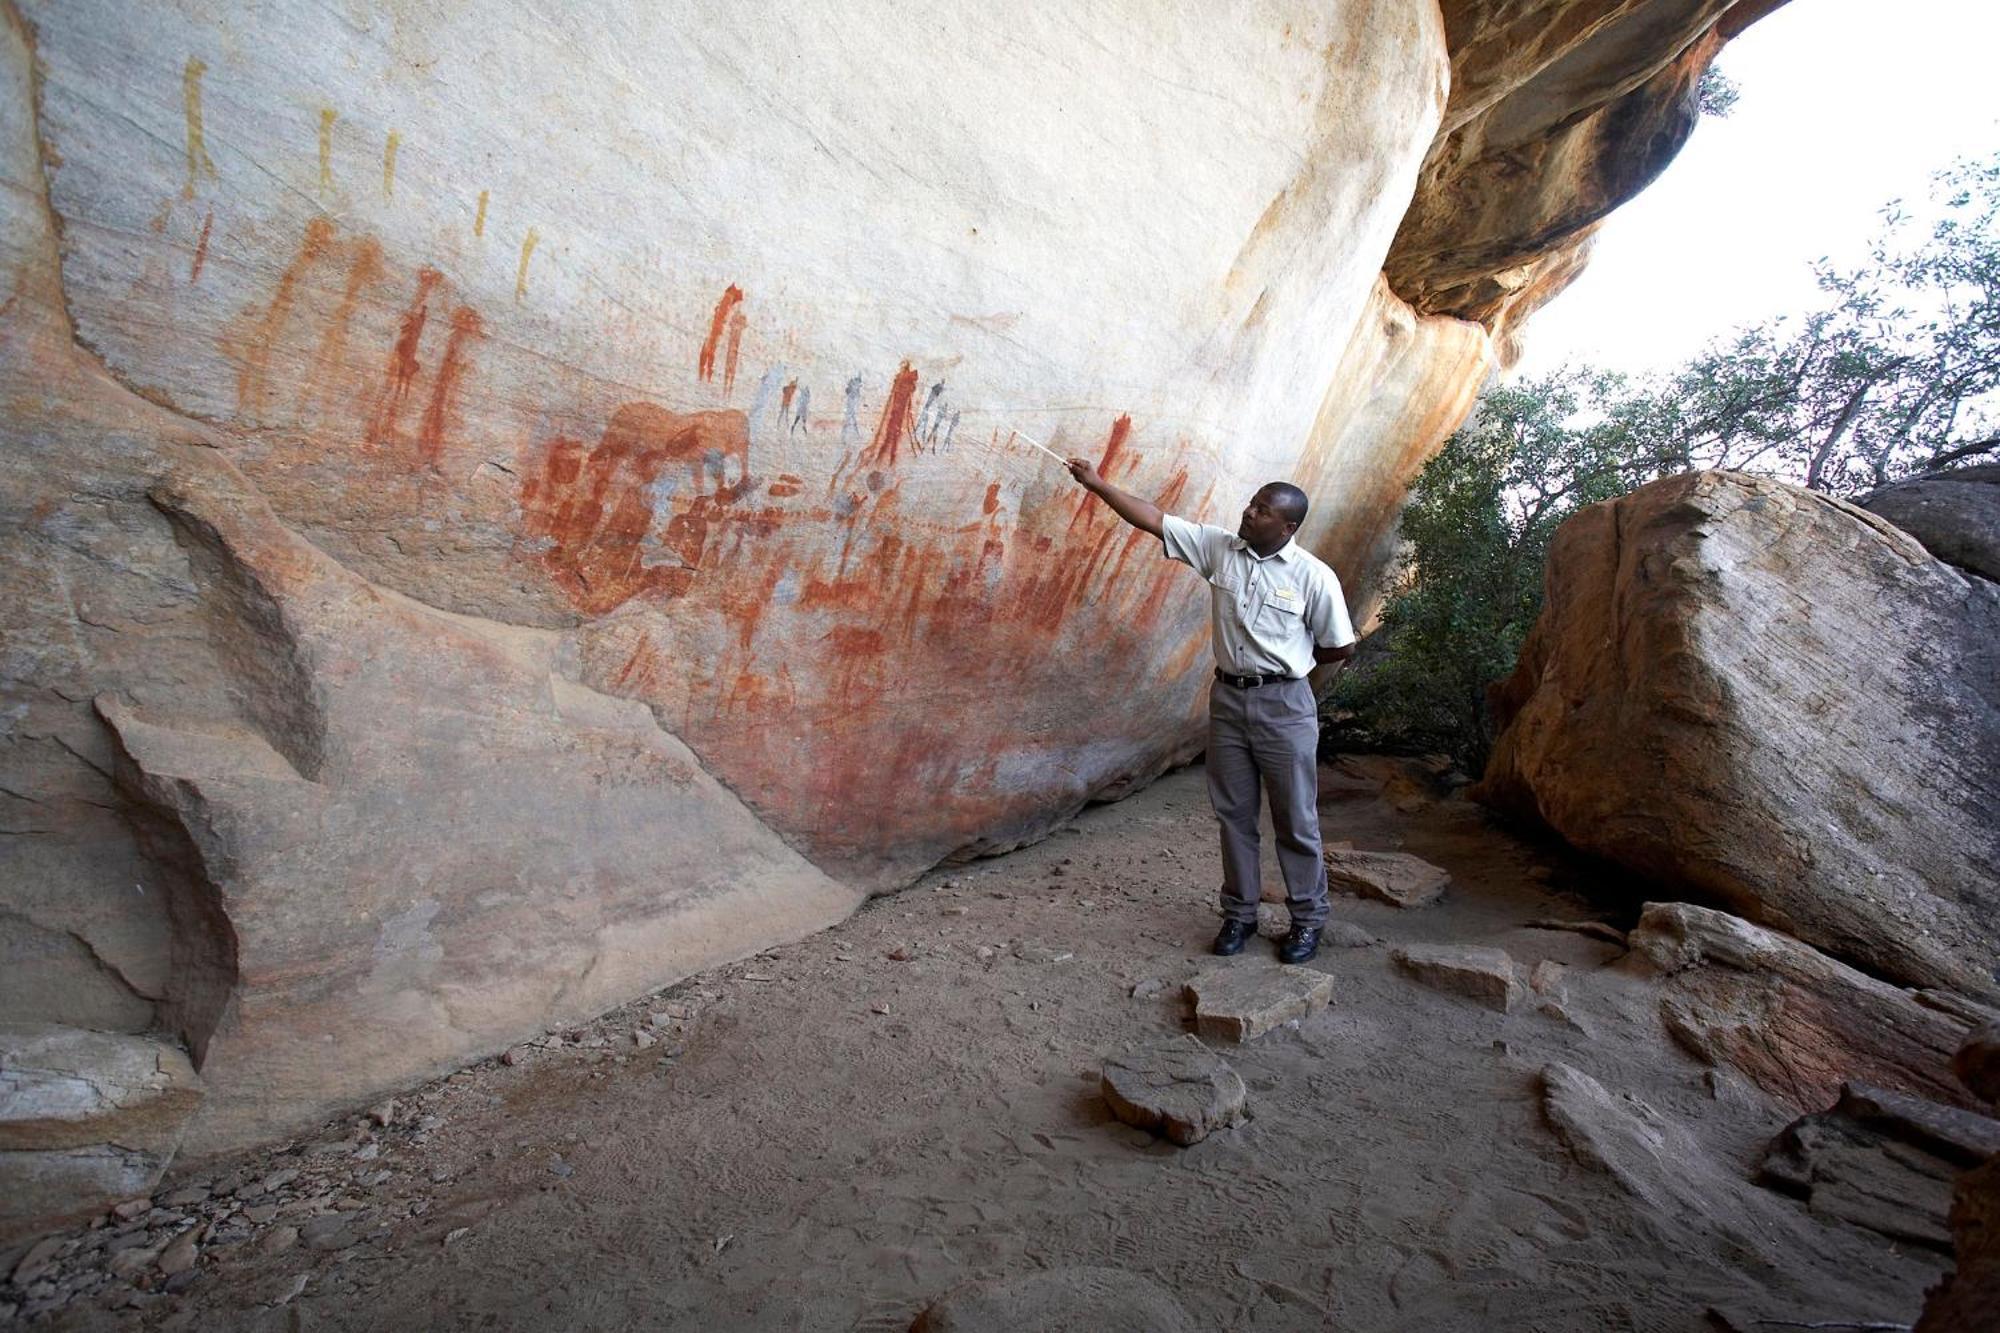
(1845, 105)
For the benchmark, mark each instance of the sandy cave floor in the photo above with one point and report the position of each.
(827, 1135)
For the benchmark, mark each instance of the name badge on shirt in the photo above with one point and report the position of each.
(1285, 596)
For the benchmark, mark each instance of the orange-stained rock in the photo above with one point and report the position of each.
(1965, 1301)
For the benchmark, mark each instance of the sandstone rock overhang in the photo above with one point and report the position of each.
(486, 533)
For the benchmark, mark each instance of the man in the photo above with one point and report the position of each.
(1278, 611)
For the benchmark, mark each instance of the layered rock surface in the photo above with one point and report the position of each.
(1773, 698)
(504, 509)
(1797, 1023)
(85, 1118)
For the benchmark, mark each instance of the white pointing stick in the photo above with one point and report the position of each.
(1016, 435)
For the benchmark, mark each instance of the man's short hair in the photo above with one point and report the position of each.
(1288, 500)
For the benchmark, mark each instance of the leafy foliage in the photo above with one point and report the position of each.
(1716, 93)
(1477, 527)
(1894, 374)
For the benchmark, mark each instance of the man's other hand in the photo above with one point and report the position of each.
(1085, 473)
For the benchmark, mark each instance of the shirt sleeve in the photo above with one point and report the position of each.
(1326, 613)
(1193, 544)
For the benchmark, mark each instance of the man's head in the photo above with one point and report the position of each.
(1272, 516)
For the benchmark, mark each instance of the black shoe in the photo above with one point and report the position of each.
(1232, 937)
(1299, 945)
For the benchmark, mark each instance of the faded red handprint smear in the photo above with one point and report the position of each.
(631, 516)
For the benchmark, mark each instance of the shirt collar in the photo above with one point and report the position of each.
(1283, 553)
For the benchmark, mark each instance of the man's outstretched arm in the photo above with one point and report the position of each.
(1141, 514)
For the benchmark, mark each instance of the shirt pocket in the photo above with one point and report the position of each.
(1281, 617)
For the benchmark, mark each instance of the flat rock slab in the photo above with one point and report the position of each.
(1789, 1018)
(1482, 975)
(1242, 1002)
(1390, 877)
(1179, 1089)
(1346, 935)
(1963, 1137)
(1087, 1300)
(1883, 1160)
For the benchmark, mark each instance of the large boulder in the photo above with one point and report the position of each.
(1774, 699)
(1956, 515)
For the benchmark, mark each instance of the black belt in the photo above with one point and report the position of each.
(1249, 682)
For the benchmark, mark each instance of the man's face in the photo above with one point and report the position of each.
(1263, 526)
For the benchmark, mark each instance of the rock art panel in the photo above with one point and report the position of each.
(486, 534)
(1773, 699)
(430, 357)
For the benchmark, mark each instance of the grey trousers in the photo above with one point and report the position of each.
(1267, 737)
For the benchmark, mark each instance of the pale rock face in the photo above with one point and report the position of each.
(1775, 699)
(719, 377)
(506, 508)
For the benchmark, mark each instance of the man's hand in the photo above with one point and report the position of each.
(1141, 514)
(1086, 475)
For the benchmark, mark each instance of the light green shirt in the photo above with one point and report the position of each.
(1268, 611)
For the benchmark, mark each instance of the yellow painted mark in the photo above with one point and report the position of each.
(389, 165)
(198, 160)
(326, 148)
(528, 244)
(479, 218)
